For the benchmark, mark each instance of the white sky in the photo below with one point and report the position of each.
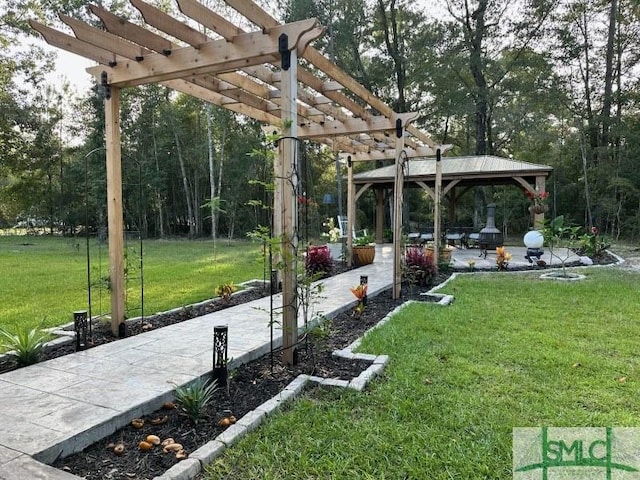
(73, 67)
(70, 67)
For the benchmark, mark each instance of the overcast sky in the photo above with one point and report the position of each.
(73, 67)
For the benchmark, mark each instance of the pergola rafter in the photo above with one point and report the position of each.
(254, 73)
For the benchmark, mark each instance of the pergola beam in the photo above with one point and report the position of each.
(131, 31)
(352, 126)
(211, 57)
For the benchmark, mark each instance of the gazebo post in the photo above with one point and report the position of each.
(289, 184)
(538, 218)
(436, 210)
(351, 209)
(114, 208)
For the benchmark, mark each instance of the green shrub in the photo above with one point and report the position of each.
(26, 345)
(194, 399)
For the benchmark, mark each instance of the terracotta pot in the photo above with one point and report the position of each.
(364, 255)
(539, 209)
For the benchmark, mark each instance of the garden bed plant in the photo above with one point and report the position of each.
(122, 456)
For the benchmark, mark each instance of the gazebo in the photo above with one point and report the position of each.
(457, 176)
(271, 74)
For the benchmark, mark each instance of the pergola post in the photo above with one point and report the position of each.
(289, 184)
(114, 209)
(351, 209)
(379, 215)
(398, 191)
(436, 209)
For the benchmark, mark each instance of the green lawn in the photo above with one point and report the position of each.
(512, 350)
(44, 279)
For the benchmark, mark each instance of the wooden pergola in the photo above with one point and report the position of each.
(270, 74)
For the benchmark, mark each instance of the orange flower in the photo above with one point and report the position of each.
(360, 292)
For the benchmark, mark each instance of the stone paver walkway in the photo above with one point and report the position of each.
(62, 405)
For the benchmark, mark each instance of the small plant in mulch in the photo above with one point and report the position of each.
(25, 346)
(502, 259)
(419, 267)
(360, 292)
(592, 244)
(193, 400)
(225, 290)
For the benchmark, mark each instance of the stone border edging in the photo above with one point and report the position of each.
(187, 469)
(66, 335)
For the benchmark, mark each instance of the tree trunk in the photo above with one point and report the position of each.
(394, 48)
(607, 99)
(212, 180)
(223, 141)
(185, 184)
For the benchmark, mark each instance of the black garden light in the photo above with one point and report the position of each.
(364, 280)
(220, 347)
(81, 327)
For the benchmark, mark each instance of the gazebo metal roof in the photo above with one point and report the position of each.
(469, 170)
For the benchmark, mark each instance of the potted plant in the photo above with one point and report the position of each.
(539, 200)
(445, 252)
(364, 250)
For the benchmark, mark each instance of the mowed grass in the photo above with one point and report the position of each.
(512, 350)
(44, 279)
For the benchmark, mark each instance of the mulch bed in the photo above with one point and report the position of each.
(250, 385)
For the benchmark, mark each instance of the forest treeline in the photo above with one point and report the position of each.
(553, 82)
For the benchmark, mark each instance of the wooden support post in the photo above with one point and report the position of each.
(289, 186)
(398, 195)
(351, 209)
(437, 234)
(114, 211)
(379, 215)
(538, 218)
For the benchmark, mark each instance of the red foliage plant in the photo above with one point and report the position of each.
(419, 266)
(318, 260)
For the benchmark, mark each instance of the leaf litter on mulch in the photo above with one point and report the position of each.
(250, 385)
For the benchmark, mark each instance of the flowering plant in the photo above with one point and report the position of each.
(537, 198)
(333, 232)
(502, 258)
(592, 244)
(360, 292)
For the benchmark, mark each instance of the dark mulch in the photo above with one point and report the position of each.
(250, 385)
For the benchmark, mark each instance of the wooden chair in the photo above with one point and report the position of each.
(342, 225)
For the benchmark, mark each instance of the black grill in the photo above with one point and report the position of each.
(490, 237)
